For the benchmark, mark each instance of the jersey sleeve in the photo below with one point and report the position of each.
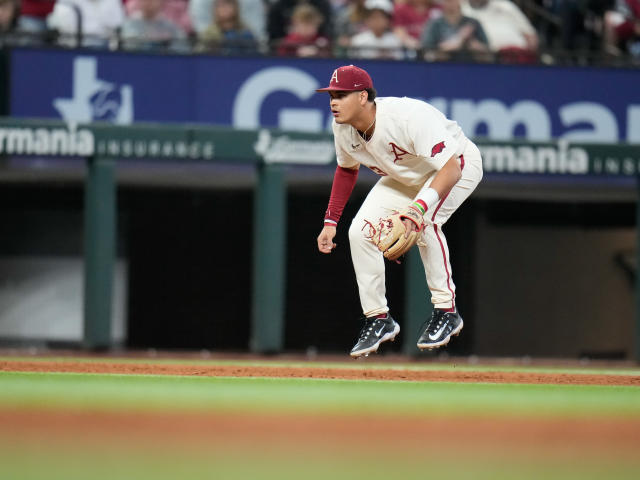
(427, 128)
(344, 159)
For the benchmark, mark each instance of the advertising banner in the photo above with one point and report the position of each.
(498, 102)
(271, 146)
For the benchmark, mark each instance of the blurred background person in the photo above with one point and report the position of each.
(147, 29)
(252, 12)
(454, 36)
(410, 18)
(99, 19)
(304, 38)
(377, 41)
(581, 24)
(349, 21)
(10, 33)
(176, 11)
(227, 34)
(510, 33)
(622, 28)
(280, 18)
(9, 12)
(33, 15)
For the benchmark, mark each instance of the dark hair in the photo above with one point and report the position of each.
(372, 93)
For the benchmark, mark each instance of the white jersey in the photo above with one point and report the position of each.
(411, 142)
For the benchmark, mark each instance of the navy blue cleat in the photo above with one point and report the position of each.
(439, 329)
(375, 332)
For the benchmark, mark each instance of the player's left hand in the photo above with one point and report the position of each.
(412, 220)
(409, 227)
(398, 233)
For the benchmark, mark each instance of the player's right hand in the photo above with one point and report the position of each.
(325, 239)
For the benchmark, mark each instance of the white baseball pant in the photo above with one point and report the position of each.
(389, 195)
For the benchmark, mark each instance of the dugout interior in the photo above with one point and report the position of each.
(543, 268)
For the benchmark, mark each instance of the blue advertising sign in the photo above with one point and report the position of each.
(499, 102)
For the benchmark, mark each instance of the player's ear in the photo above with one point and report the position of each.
(364, 96)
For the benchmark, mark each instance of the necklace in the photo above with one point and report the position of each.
(364, 134)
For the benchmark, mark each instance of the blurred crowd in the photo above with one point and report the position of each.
(509, 31)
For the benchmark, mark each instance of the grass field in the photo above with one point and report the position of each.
(110, 426)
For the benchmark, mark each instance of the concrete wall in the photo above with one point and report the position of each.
(41, 299)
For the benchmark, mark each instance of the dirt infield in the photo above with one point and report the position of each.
(557, 436)
(319, 372)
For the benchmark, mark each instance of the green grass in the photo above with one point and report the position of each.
(38, 456)
(109, 464)
(159, 392)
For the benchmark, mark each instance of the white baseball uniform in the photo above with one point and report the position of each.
(411, 142)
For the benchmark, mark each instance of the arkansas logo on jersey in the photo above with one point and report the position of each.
(437, 148)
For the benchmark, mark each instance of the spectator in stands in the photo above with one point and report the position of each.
(304, 38)
(177, 11)
(454, 36)
(9, 11)
(10, 34)
(337, 5)
(146, 29)
(252, 12)
(281, 11)
(410, 18)
(227, 34)
(99, 20)
(377, 41)
(580, 24)
(622, 28)
(349, 21)
(33, 15)
(510, 33)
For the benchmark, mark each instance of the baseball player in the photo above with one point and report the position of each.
(428, 167)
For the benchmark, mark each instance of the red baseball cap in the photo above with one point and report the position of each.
(348, 78)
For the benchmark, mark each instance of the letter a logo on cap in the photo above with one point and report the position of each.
(353, 79)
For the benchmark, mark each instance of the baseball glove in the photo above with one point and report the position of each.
(390, 235)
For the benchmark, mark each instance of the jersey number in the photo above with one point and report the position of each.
(379, 172)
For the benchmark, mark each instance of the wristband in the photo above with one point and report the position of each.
(420, 206)
(426, 198)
